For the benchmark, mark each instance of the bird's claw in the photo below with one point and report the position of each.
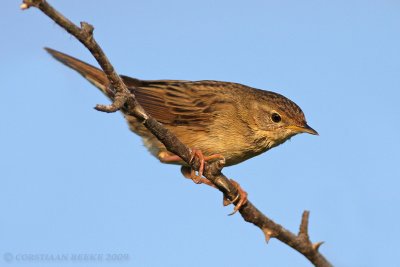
(239, 200)
(197, 153)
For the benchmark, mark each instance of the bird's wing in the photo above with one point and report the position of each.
(178, 103)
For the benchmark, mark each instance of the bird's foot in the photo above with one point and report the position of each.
(239, 200)
(190, 174)
(198, 178)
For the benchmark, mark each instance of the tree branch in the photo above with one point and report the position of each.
(126, 101)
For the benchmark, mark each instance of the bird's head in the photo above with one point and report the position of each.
(277, 119)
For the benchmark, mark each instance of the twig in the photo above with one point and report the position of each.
(303, 231)
(84, 34)
(125, 100)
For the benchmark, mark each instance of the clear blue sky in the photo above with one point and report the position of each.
(74, 180)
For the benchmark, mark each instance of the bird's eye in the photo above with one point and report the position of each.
(275, 117)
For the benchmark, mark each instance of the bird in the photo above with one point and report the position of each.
(221, 120)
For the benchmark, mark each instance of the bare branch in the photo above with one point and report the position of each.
(303, 231)
(126, 101)
(85, 35)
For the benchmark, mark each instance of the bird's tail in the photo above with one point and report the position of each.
(94, 75)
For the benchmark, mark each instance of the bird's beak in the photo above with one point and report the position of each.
(308, 129)
(303, 129)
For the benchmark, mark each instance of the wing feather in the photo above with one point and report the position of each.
(174, 103)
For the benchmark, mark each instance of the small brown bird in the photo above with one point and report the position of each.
(226, 119)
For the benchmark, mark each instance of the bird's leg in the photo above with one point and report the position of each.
(189, 173)
(193, 176)
(166, 157)
(241, 198)
(197, 153)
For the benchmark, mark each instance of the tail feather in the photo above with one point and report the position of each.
(94, 75)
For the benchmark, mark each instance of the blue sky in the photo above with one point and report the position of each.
(77, 181)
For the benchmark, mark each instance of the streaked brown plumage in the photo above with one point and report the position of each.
(234, 120)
